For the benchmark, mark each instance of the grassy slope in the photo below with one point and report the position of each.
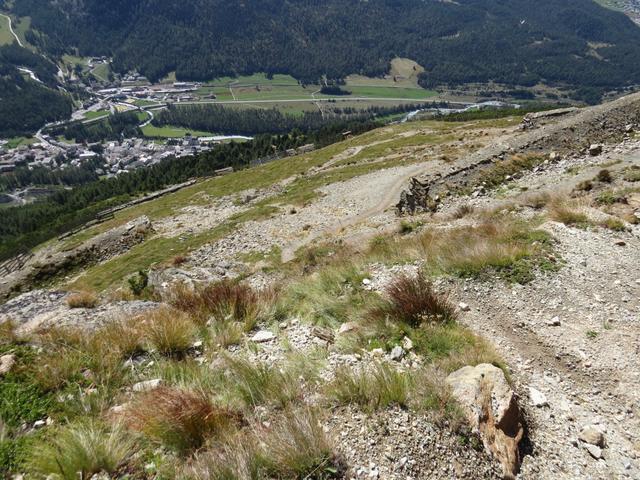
(159, 249)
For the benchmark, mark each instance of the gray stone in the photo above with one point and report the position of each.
(554, 322)
(464, 307)
(594, 451)
(592, 435)
(263, 336)
(595, 149)
(147, 385)
(397, 353)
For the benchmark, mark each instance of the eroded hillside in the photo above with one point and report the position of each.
(285, 322)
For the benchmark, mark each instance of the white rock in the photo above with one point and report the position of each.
(538, 399)
(397, 353)
(366, 282)
(6, 364)
(554, 322)
(263, 336)
(592, 435)
(39, 424)
(464, 307)
(377, 352)
(594, 451)
(347, 327)
(407, 344)
(147, 385)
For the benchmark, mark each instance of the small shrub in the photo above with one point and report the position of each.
(239, 458)
(82, 300)
(180, 420)
(584, 186)
(8, 332)
(138, 283)
(379, 388)
(412, 300)
(604, 176)
(263, 384)
(609, 197)
(179, 260)
(169, 331)
(80, 451)
(562, 211)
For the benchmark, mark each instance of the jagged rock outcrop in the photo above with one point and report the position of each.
(417, 199)
(492, 410)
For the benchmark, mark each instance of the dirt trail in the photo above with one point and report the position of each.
(388, 199)
(573, 336)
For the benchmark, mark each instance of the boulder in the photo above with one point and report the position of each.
(397, 353)
(492, 410)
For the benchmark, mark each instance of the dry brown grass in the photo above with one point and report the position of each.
(8, 333)
(180, 420)
(168, 330)
(82, 300)
(413, 300)
(568, 212)
(179, 260)
(226, 301)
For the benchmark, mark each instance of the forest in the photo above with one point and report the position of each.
(518, 42)
(26, 226)
(115, 127)
(254, 121)
(25, 105)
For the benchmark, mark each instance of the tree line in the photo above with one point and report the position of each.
(254, 121)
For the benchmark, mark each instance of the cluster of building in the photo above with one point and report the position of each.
(116, 157)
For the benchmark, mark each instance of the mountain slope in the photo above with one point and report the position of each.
(518, 42)
(26, 104)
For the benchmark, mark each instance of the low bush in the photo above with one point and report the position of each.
(263, 384)
(604, 176)
(297, 447)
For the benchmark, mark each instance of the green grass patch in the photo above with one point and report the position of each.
(152, 131)
(96, 115)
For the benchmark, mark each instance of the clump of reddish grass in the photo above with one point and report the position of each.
(414, 301)
(181, 420)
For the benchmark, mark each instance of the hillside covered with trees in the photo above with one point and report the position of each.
(519, 42)
(25, 105)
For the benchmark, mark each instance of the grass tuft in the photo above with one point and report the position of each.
(169, 331)
(412, 300)
(80, 451)
(180, 420)
(379, 388)
(82, 300)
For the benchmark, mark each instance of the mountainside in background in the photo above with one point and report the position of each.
(519, 42)
(27, 103)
